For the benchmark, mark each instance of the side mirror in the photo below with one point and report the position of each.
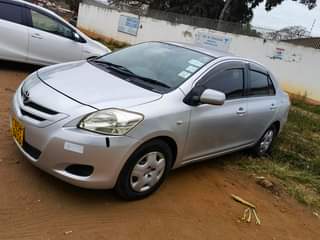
(212, 97)
(76, 37)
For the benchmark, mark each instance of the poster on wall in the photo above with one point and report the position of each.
(213, 40)
(282, 54)
(129, 25)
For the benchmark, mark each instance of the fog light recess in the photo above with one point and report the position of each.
(80, 170)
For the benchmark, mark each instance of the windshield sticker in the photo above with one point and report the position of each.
(184, 74)
(196, 63)
(191, 69)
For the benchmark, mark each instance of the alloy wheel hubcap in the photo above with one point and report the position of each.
(148, 171)
(266, 141)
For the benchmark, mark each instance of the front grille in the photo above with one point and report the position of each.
(25, 102)
(32, 151)
(30, 115)
(40, 108)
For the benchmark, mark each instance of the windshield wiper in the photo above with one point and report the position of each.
(130, 73)
(114, 66)
(152, 81)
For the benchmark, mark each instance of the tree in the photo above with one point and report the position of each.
(73, 5)
(273, 3)
(289, 33)
(240, 11)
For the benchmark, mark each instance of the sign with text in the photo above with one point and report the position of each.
(283, 54)
(212, 40)
(129, 25)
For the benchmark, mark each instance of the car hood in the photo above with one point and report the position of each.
(92, 86)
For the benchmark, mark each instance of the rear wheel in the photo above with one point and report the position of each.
(145, 170)
(263, 147)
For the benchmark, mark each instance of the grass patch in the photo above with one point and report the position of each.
(112, 44)
(308, 107)
(302, 102)
(295, 158)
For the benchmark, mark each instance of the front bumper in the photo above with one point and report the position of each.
(59, 147)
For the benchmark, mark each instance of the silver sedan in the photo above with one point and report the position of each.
(125, 119)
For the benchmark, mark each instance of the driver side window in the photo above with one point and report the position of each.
(230, 82)
(50, 25)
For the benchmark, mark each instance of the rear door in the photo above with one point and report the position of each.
(51, 41)
(14, 35)
(262, 103)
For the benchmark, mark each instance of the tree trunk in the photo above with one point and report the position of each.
(156, 4)
(223, 13)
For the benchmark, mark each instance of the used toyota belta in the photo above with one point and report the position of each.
(125, 119)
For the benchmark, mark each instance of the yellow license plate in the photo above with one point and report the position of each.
(17, 130)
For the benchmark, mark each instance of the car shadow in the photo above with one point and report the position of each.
(17, 66)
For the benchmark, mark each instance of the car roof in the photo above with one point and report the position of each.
(254, 65)
(197, 47)
(30, 5)
(44, 11)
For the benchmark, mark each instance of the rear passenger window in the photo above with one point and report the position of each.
(48, 24)
(11, 13)
(272, 90)
(259, 84)
(230, 82)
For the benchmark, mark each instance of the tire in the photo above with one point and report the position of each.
(264, 145)
(145, 170)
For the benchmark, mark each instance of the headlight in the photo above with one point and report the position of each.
(111, 121)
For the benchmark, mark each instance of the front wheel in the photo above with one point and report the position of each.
(145, 170)
(264, 145)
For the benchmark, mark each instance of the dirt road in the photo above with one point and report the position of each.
(194, 203)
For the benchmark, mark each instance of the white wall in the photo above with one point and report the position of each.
(299, 76)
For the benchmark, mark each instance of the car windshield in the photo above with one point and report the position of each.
(160, 64)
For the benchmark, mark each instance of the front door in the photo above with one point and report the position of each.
(215, 129)
(13, 33)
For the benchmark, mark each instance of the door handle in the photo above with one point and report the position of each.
(273, 107)
(37, 35)
(241, 111)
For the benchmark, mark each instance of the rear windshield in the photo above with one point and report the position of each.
(166, 63)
